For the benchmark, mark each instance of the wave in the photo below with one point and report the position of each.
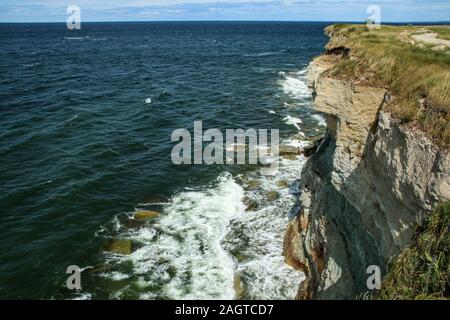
(264, 54)
(204, 239)
(294, 121)
(182, 251)
(320, 119)
(30, 65)
(257, 237)
(76, 38)
(294, 84)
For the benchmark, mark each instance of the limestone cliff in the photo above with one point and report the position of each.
(365, 190)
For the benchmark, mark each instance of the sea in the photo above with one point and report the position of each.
(86, 119)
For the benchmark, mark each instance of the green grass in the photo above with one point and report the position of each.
(422, 270)
(387, 58)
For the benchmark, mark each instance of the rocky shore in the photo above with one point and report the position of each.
(364, 191)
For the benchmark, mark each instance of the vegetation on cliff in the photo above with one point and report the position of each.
(422, 270)
(417, 73)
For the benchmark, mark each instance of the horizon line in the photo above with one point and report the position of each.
(214, 20)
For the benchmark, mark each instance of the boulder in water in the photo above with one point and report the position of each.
(251, 204)
(132, 224)
(272, 196)
(282, 184)
(120, 246)
(289, 156)
(285, 149)
(238, 287)
(253, 184)
(145, 214)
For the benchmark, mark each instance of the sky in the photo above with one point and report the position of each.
(246, 10)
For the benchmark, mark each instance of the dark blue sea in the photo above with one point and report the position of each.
(85, 143)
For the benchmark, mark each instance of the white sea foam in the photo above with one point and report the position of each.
(182, 251)
(294, 121)
(76, 38)
(116, 276)
(320, 119)
(83, 296)
(258, 237)
(297, 143)
(263, 54)
(186, 253)
(31, 64)
(294, 84)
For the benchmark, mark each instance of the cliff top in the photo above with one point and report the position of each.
(412, 62)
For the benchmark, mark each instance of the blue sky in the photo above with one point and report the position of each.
(157, 10)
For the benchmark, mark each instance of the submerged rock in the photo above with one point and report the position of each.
(120, 246)
(251, 204)
(282, 184)
(299, 136)
(289, 156)
(253, 184)
(238, 287)
(145, 214)
(241, 179)
(101, 268)
(154, 200)
(132, 224)
(288, 149)
(272, 196)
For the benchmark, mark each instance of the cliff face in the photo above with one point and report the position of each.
(365, 190)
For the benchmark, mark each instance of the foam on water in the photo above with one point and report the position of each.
(182, 254)
(293, 121)
(320, 119)
(257, 237)
(294, 84)
(263, 54)
(76, 38)
(83, 296)
(204, 240)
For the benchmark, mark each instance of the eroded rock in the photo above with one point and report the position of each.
(120, 246)
(145, 214)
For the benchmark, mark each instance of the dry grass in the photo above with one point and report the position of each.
(418, 77)
(422, 271)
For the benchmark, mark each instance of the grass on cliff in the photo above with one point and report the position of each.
(422, 271)
(417, 76)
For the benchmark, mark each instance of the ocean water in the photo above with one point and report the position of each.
(86, 119)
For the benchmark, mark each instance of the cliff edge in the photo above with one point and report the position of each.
(376, 176)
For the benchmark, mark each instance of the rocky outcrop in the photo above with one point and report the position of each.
(363, 193)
